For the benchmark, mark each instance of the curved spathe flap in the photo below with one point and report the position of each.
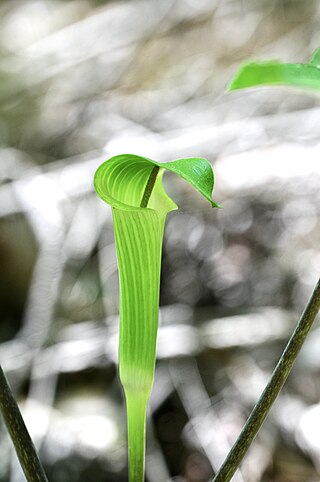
(121, 181)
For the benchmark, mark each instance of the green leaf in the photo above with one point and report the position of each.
(132, 185)
(315, 59)
(274, 72)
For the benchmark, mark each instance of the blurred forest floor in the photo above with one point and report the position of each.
(81, 81)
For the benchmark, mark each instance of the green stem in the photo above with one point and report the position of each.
(271, 391)
(149, 186)
(21, 439)
(136, 413)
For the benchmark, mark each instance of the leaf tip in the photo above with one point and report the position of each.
(216, 205)
(236, 81)
(256, 73)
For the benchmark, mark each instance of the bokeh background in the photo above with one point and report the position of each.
(81, 81)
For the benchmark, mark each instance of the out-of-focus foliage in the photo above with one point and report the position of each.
(82, 81)
(305, 76)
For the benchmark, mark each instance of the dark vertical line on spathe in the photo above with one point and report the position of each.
(149, 187)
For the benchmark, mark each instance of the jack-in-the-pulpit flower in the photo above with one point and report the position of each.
(132, 185)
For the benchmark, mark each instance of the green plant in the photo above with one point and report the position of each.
(274, 72)
(132, 185)
(297, 75)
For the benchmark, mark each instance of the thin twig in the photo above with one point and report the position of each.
(271, 391)
(21, 439)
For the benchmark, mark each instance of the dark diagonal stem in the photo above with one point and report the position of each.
(21, 439)
(271, 391)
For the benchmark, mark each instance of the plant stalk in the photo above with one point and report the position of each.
(271, 391)
(136, 415)
(19, 434)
